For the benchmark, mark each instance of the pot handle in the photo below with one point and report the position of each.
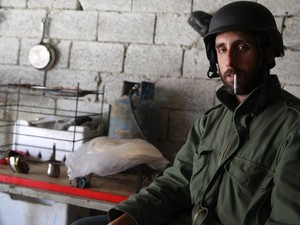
(43, 30)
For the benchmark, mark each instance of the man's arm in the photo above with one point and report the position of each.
(286, 193)
(167, 196)
(124, 219)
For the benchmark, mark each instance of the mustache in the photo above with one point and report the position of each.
(231, 71)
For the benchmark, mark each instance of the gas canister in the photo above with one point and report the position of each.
(135, 113)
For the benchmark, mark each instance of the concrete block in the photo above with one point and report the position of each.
(75, 25)
(286, 66)
(53, 4)
(84, 105)
(174, 29)
(185, 94)
(62, 53)
(113, 85)
(13, 3)
(153, 60)
(279, 9)
(195, 63)
(5, 115)
(71, 79)
(14, 74)
(95, 56)
(31, 105)
(106, 5)
(9, 50)
(209, 6)
(26, 45)
(21, 22)
(292, 30)
(126, 27)
(166, 6)
(6, 133)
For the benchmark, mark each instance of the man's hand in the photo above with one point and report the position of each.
(125, 219)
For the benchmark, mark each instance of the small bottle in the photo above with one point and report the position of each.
(53, 156)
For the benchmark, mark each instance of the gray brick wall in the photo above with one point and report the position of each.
(96, 56)
(126, 27)
(153, 60)
(134, 40)
(73, 25)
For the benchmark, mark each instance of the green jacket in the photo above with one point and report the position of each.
(240, 165)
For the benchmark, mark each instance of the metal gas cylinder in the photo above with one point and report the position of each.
(134, 114)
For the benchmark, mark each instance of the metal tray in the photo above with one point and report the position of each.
(64, 91)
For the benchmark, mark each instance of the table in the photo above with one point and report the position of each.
(104, 193)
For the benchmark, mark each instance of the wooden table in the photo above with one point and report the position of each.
(103, 194)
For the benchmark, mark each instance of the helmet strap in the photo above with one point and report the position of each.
(213, 67)
(213, 71)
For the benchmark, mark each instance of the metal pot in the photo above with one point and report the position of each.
(53, 169)
(42, 56)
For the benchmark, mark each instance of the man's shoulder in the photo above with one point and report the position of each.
(214, 108)
(292, 102)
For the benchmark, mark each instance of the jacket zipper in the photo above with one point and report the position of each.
(218, 172)
(226, 147)
(196, 215)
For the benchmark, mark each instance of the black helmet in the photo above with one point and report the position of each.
(242, 16)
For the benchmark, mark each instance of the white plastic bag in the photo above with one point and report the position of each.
(105, 156)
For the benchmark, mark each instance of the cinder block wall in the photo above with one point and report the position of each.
(110, 41)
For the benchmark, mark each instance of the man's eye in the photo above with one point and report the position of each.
(243, 47)
(221, 50)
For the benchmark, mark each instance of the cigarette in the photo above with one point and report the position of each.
(234, 83)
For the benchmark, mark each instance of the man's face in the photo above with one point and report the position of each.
(237, 53)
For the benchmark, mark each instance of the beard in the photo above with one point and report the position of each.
(247, 81)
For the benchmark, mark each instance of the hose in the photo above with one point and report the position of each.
(135, 89)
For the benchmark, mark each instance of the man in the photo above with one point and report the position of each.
(241, 161)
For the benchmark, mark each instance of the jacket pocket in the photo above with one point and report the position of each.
(201, 158)
(248, 175)
(246, 185)
(200, 167)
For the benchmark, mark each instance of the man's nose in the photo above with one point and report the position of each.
(230, 58)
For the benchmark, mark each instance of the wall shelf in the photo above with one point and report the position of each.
(68, 127)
